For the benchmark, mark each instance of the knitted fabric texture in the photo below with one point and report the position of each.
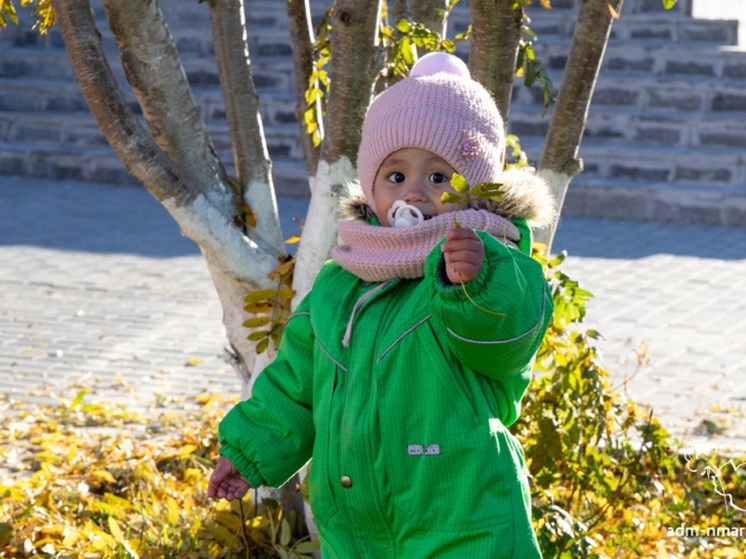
(438, 108)
(375, 253)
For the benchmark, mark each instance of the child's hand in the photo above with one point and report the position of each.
(464, 254)
(226, 482)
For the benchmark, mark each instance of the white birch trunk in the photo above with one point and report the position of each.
(558, 185)
(320, 230)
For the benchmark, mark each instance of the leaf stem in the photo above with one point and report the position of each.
(473, 302)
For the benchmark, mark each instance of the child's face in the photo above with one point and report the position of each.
(418, 177)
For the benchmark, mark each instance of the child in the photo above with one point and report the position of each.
(398, 385)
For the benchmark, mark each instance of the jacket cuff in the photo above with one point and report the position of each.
(245, 467)
(435, 267)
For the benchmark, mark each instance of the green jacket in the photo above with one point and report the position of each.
(401, 393)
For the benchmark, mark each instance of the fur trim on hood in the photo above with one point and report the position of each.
(524, 195)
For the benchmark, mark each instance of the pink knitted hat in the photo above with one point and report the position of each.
(438, 108)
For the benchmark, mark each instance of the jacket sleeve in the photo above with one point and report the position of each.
(269, 437)
(498, 331)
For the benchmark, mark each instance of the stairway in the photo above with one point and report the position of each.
(665, 136)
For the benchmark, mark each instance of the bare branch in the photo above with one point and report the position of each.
(152, 66)
(302, 40)
(578, 82)
(132, 143)
(353, 71)
(250, 155)
(495, 35)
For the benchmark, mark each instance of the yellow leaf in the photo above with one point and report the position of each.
(256, 322)
(259, 294)
(262, 345)
(282, 269)
(459, 183)
(292, 240)
(193, 361)
(186, 450)
(285, 293)
(70, 539)
(115, 530)
(613, 12)
(258, 308)
(118, 502)
(78, 399)
(192, 476)
(173, 510)
(104, 474)
(258, 335)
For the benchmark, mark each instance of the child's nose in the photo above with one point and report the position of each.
(415, 190)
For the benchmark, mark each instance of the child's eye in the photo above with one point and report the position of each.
(396, 177)
(437, 178)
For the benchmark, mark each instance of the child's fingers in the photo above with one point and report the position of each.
(464, 254)
(463, 245)
(461, 272)
(226, 482)
(455, 233)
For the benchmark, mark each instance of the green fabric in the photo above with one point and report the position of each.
(526, 236)
(414, 411)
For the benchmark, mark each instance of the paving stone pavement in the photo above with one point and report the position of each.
(99, 289)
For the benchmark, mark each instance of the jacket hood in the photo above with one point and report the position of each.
(524, 195)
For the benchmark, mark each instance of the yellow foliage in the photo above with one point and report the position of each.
(100, 481)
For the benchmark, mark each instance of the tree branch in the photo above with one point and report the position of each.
(559, 161)
(252, 162)
(302, 41)
(132, 143)
(578, 82)
(354, 57)
(152, 66)
(199, 219)
(353, 71)
(495, 35)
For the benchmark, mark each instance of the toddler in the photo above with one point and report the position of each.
(397, 383)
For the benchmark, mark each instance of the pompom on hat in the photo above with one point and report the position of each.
(438, 108)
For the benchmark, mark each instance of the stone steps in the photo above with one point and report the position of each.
(648, 158)
(42, 116)
(666, 116)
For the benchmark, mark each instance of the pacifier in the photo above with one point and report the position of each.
(402, 214)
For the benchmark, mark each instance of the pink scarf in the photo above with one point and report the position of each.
(376, 253)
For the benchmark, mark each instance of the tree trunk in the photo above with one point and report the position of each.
(197, 197)
(495, 36)
(302, 43)
(400, 10)
(354, 67)
(559, 161)
(250, 155)
(132, 143)
(152, 66)
(430, 14)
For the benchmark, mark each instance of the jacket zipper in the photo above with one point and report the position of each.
(358, 305)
